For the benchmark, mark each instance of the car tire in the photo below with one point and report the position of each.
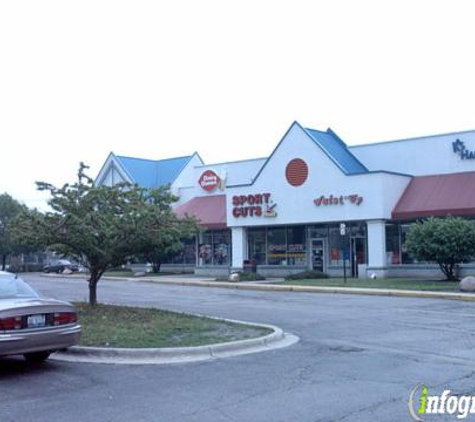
(36, 357)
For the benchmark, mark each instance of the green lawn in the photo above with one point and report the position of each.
(119, 326)
(383, 283)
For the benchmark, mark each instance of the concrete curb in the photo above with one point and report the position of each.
(156, 356)
(304, 289)
(323, 289)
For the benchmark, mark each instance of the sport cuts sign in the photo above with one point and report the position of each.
(209, 180)
(257, 205)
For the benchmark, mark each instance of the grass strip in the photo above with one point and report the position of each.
(122, 326)
(383, 283)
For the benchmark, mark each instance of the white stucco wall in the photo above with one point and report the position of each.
(239, 247)
(418, 156)
(185, 194)
(295, 205)
(235, 173)
(187, 187)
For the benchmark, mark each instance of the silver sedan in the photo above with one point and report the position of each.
(31, 325)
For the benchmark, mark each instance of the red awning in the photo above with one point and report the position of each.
(440, 195)
(209, 210)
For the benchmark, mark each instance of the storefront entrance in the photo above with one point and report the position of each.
(358, 254)
(317, 248)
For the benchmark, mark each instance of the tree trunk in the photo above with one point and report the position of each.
(92, 292)
(448, 270)
(4, 262)
(93, 280)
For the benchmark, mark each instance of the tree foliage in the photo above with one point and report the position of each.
(447, 241)
(159, 244)
(9, 209)
(99, 226)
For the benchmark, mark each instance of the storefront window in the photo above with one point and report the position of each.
(288, 245)
(406, 258)
(276, 246)
(257, 245)
(316, 232)
(337, 245)
(358, 229)
(296, 246)
(392, 244)
(189, 251)
(358, 243)
(206, 248)
(187, 255)
(221, 247)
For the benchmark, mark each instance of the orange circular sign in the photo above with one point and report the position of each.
(296, 172)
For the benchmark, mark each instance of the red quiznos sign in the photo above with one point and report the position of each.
(338, 200)
(209, 180)
(253, 206)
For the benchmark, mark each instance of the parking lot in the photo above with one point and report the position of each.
(357, 360)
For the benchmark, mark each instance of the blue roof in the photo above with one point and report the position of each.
(337, 150)
(151, 174)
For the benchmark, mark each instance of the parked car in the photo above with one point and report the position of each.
(31, 325)
(59, 265)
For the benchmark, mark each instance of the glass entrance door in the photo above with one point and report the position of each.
(317, 249)
(358, 254)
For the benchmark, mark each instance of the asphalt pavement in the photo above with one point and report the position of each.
(357, 360)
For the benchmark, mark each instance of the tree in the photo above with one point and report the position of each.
(9, 209)
(447, 241)
(159, 245)
(99, 226)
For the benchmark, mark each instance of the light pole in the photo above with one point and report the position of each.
(343, 233)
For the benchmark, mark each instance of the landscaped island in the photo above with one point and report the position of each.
(133, 327)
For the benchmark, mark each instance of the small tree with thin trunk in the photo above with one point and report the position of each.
(161, 244)
(447, 241)
(99, 226)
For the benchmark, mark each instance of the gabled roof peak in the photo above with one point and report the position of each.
(153, 173)
(154, 161)
(336, 149)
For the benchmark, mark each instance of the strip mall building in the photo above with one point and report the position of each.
(314, 202)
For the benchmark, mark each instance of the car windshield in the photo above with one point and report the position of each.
(11, 287)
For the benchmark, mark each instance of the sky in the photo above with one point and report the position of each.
(159, 79)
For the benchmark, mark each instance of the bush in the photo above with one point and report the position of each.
(311, 274)
(447, 241)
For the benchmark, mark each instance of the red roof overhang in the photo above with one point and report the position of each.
(209, 210)
(439, 195)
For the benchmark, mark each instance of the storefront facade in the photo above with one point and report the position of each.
(317, 203)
